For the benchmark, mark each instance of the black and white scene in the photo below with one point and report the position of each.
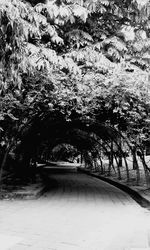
(74, 124)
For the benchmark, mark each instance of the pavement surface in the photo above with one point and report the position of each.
(78, 212)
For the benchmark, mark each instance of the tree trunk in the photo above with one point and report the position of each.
(96, 165)
(111, 159)
(115, 157)
(4, 163)
(146, 169)
(81, 158)
(120, 160)
(110, 164)
(101, 165)
(127, 169)
(135, 163)
(137, 175)
(118, 170)
(112, 154)
(120, 153)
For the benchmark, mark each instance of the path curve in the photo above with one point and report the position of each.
(78, 212)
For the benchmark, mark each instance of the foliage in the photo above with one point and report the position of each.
(67, 60)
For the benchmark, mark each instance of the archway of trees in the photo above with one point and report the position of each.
(78, 67)
(101, 147)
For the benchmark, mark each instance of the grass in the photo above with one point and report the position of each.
(132, 173)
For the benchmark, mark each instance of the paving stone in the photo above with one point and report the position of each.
(81, 213)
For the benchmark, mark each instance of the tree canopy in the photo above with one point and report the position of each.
(64, 60)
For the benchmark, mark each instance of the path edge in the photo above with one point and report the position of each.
(135, 195)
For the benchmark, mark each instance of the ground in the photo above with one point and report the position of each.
(132, 172)
(78, 212)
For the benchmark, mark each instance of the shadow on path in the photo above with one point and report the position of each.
(69, 182)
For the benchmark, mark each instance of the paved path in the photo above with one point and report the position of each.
(79, 213)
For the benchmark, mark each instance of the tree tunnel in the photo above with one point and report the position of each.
(94, 142)
(101, 147)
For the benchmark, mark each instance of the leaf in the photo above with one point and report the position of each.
(39, 7)
(2, 117)
(12, 117)
(128, 32)
(80, 12)
(58, 40)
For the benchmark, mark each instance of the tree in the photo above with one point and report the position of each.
(72, 60)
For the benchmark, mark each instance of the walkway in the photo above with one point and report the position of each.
(79, 213)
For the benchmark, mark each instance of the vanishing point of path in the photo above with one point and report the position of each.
(78, 213)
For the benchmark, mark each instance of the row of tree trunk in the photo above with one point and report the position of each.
(117, 161)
